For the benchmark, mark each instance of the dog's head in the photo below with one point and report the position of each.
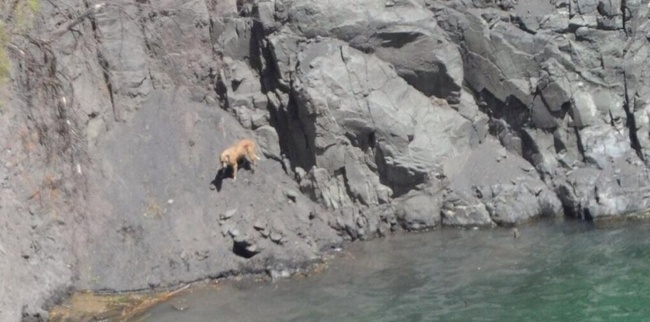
(224, 159)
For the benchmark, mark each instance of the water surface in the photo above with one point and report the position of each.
(556, 271)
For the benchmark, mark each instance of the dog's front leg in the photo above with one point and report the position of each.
(234, 172)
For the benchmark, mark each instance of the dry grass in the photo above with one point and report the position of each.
(88, 306)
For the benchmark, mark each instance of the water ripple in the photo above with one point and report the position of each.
(554, 272)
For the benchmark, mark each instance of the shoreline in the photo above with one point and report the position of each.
(298, 270)
(416, 116)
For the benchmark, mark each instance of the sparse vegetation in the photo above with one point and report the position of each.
(4, 59)
(38, 84)
(118, 307)
(17, 19)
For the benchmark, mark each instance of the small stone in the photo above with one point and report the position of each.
(228, 214)
(300, 173)
(291, 194)
(265, 233)
(210, 100)
(191, 143)
(234, 232)
(279, 273)
(253, 248)
(276, 237)
(213, 187)
(170, 201)
(259, 225)
(240, 238)
(527, 168)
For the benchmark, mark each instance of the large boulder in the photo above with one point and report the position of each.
(404, 34)
(565, 87)
(363, 124)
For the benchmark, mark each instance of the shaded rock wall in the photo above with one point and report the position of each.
(371, 117)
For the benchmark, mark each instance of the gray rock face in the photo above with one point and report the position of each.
(405, 35)
(348, 98)
(268, 141)
(558, 105)
(391, 115)
(493, 186)
(418, 210)
(462, 209)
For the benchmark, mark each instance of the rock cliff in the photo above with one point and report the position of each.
(372, 116)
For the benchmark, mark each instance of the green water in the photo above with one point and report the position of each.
(554, 272)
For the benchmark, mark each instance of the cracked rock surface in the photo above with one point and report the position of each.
(370, 117)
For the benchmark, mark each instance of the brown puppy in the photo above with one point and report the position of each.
(242, 149)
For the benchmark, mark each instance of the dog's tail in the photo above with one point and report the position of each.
(252, 149)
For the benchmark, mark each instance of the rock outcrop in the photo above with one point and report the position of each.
(372, 116)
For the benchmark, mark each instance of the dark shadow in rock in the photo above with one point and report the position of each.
(241, 249)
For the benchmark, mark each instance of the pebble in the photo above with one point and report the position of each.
(228, 214)
(276, 237)
(291, 194)
(279, 273)
(253, 248)
(240, 238)
(210, 100)
(259, 225)
(234, 232)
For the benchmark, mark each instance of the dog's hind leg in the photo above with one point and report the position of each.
(253, 158)
(250, 162)
(251, 155)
